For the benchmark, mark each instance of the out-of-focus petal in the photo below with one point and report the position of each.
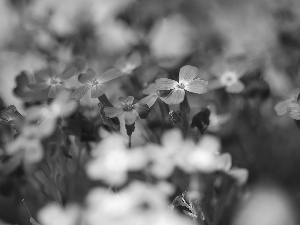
(142, 109)
(215, 84)
(85, 77)
(42, 75)
(98, 90)
(149, 100)
(74, 68)
(151, 89)
(130, 117)
(111, 112)
(224, 162)
(187, 73)
(38, 86)
(240, 174)
(175, 97)
(126, 101)
(197, 86)
(165, 84)
(109, 75)
(281, 107)
(55, 89)
(237, 87)
(81, 91)
(294, 112)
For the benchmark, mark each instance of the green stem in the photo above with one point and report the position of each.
(129, 141)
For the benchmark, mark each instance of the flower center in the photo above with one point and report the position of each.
(181, 85)
(229, 78)
(127, 107)
(94, 82)
(55, 81)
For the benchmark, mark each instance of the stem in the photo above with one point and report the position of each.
(129, 141)
(104, 100)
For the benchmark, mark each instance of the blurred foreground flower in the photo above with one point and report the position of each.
(187, 82)
(47, 79)
(95, 83)
(55, 214)
(290, 106)
(112, 161)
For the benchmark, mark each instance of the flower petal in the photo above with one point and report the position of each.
(151, 89)
(111, 112)
(240, 174)
(237, 87)
(38, 86)
(187, 73)
(282, 107)
(109, 75)
(74, 68)
(81, 91)
(149, 100)
(197, 86)
(224, 162)
(42, 75)
(55, 89)
(142, 109)
(126, 101)
(130, 117)
(165, 84)
(88, 75)
(175, 97)
(294, 112)
(98, 90)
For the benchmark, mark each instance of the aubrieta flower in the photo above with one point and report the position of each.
(47, 78)
(47, 115)
(187, 82)
(112, 161)
(129, 110)
(291, 106)
(95, 83)
(228, 75)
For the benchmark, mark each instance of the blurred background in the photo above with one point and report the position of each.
(169, 34)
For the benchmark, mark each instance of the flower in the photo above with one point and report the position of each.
(228, 73)
(47, 115)
(55, 214)
(47, 79)
(290, 105)
(111, 161)
(187, 82)
(95, 83)
(130, 111)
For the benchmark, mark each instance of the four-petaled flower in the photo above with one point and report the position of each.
(187, 82)
(290, 106)
(130, 111)
(47, 78)
(228, 75)
(95, 83)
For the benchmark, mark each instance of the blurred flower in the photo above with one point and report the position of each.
(95, 83)
(171, 37)
(228, 75)
(128, 64)
(290, 106)
(112, 161)
(55, 214)
(130, 111)
(187, 82)
(46, 116)
(265, 206)
(216, 121)
(47, 79)
(31, 149)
